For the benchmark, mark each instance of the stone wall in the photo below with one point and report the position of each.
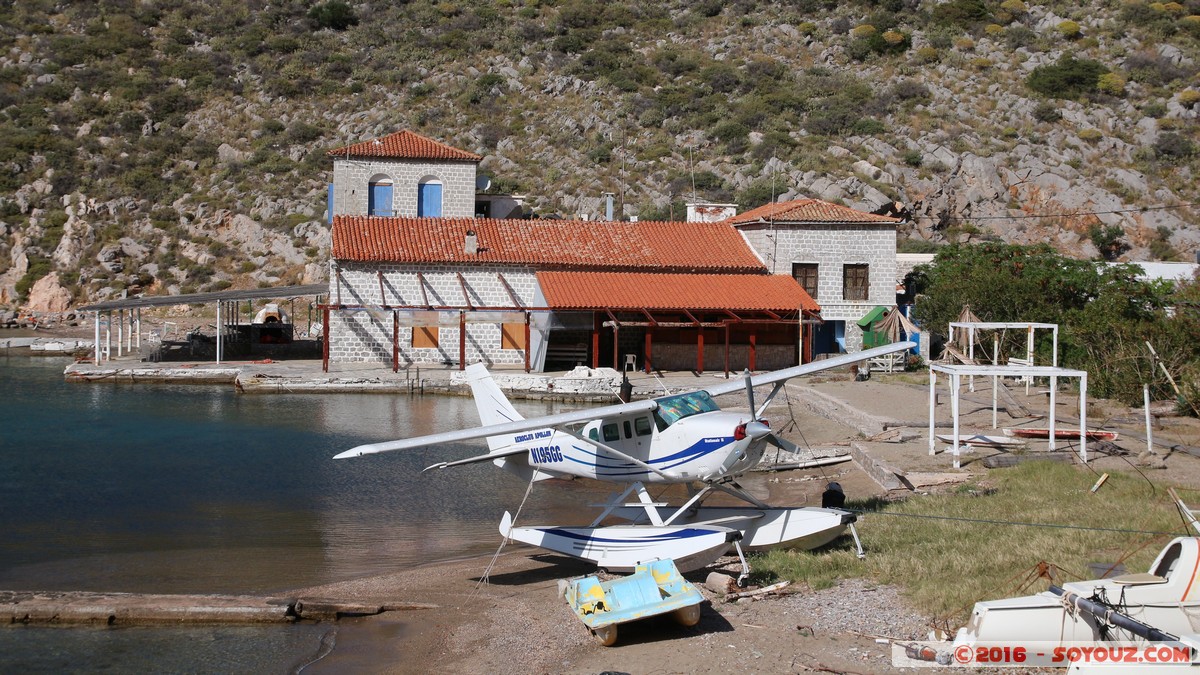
(366, 335)
(351, 178)
(831, 246)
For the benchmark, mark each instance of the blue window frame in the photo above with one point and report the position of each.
(429, 200)
(379, 200)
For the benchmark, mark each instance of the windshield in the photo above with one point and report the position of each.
(674, 408)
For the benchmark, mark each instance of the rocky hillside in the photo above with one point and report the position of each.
(154, 146)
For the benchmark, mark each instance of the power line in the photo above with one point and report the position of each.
(1140, 209)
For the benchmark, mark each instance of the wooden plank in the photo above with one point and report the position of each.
(1005, 461)
(1011, 405)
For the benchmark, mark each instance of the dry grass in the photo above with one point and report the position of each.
(945, 566)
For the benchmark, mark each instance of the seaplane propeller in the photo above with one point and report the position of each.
(681, 438)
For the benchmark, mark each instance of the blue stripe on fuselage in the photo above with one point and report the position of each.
(695, 451)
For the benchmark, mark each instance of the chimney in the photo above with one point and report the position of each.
(471, 245)
(608, 206)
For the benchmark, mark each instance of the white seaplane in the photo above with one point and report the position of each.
(683, 438)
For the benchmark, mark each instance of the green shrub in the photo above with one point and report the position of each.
(1112, 84)
(961, 13)
(1046, 112)
(913, 158)
(1067, 78)
(1069, 29)
(334, 14)
(1172, 146)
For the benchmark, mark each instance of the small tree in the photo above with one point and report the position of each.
(1108, 240)
(1112, 84)
(1069, 77)
(334, 14)
(1070, 30)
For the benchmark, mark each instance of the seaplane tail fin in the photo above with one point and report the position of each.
(494, 407)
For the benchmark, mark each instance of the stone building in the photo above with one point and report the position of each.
(845, 259)
(553, 294)
(403, 174)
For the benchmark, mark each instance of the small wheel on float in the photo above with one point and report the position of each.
(687, 616)
(606, 635)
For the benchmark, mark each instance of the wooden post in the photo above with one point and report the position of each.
(395, 341)
(726, 350)
(700, 349)
(462, 340)
(595, 339)
(96, 343)
(616, 347)
(752, 357)
(121, 332)
(1083, 417)
(527, 342)
(649, 345)
(325, 340)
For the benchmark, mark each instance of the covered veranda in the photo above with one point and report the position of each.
(686, 321)
(128, 314)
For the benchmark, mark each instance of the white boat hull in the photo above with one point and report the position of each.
(802, 528)
(1167, 598)
(620, 548)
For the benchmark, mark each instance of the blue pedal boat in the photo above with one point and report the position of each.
(654, 588)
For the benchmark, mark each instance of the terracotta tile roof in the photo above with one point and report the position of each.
(547, 244)
(808, 211)
(405, 145)
(628, 291)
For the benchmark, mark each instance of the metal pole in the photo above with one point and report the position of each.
(96, 342)
(1029, 356)
(108, 335)
(139, 329)
(1053, 395)
(1083, 417)
(120, 330)
(970, 355)
(932, 405)
(1146, 408)
(218, 331)
(995, 378)
(954, 385)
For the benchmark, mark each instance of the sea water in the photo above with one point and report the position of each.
(196, 489)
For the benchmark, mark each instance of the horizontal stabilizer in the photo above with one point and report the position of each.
(478, 458)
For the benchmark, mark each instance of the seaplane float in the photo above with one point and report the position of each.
(676, 439)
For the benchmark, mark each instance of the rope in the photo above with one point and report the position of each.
(989, 521)
(487, 572)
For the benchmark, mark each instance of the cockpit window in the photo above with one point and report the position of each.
(674, 408)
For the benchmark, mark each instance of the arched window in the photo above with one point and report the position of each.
(379, 196)
(429, 198)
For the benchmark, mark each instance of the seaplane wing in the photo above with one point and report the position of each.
(808, 368)
(516, 427)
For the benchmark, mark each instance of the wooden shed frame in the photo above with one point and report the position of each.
(956, 372)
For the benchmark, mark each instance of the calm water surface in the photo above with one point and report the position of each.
(194, 489)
